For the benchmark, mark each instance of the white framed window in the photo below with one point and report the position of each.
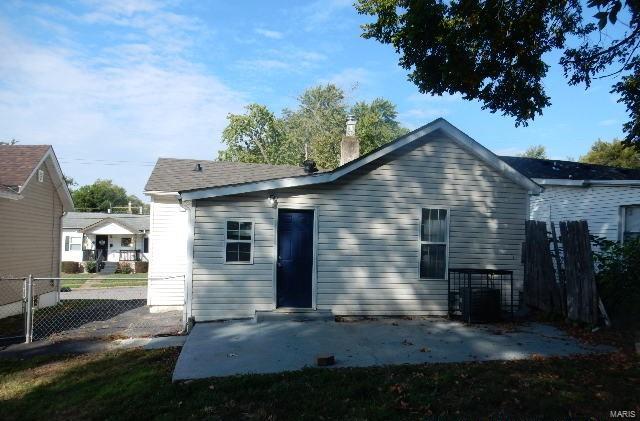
(630, 222)
(434, 243)
(40, 176)
(72, 243)
(126, 242)
(239, 241)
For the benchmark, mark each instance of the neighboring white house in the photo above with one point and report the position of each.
(376, 235)
(608, 198)
(33, 198)
(111, 237)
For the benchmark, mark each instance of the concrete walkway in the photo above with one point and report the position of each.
(222, 349)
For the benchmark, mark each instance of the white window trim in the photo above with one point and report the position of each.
(75, 241)
(226, 240)
(446, 243)
(623, 220)
(40, 176)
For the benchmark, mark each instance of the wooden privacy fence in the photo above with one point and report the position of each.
(569, 288)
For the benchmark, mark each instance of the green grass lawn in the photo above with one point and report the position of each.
(76, 280)
(136, 384)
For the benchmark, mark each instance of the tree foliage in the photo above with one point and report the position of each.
(102, 195)
(536, 151)
(495, 51)
(255, 136)
(319, 123)
(376, 123)
(612, 153)
(313, 129)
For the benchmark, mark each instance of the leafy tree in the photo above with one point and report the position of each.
(537, 151)
(316, 127)
(376, 123)
(71, 183)
(256, 136)
(495, 51)
(102, 195)
(313, 129)
(612, 153)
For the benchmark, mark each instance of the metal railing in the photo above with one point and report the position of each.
(129, 256)
(34, 309)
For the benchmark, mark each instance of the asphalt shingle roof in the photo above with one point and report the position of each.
(174, 175)
(555, 169)
(17, 162)
(81, 220)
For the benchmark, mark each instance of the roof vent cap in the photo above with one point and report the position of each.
(198, 167)
(310, 166)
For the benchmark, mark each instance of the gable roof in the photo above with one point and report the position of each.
(569, 170)
(175, 175)
(83, 220)
(18, 164)
(234, 184)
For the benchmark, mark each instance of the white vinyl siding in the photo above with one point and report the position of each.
(600, 206)
(167, 252)
(368, 231)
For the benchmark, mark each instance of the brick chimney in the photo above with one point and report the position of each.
(350, 145)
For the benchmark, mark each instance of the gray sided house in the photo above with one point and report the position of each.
(375, 236)
(33, 198)
(608, 198)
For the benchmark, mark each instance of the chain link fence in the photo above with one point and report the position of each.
(33, 309)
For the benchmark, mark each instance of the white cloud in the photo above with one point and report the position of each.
(269, 33)
(608, 122)
(350, 77)
(119, 104)
(416, 117)
(288, 59)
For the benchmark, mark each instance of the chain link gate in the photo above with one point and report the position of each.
(13, 322)
(45, 308)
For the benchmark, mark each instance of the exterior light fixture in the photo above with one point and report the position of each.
(273, 200)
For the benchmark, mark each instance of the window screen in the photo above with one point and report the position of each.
(239, 242)
(434, 239)
(631, 222)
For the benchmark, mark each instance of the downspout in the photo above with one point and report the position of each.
(187, 317)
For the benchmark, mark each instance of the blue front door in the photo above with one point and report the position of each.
(295, 258)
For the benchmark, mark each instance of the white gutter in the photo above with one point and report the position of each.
(584, 183)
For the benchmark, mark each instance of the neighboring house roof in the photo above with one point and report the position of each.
(83, 220)
(19, 163)
(553, 168)
(227, 178)
(175, 175)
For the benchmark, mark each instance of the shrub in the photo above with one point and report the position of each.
(70, 267)
(141, 267)
(124, 267)
(617, 267)
(90, 266)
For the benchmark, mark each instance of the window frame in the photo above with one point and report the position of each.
(72, 243)
(251, 242)
(445, 243)
(131, 242)
(623, 220)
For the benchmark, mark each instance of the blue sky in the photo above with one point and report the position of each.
(113, 85)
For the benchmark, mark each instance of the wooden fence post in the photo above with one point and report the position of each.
(582, 298)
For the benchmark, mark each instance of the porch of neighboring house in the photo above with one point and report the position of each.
(111, 242)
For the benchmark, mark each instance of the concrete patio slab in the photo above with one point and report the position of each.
(242, 347)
